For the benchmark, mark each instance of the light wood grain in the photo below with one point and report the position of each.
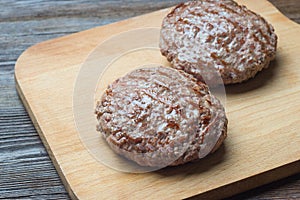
(10, 99)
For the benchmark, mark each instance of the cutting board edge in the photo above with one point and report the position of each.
(250, 183)
(44, 141)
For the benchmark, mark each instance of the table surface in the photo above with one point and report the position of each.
(26, 171)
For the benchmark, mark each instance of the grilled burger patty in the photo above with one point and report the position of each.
(161, 116)
(221, 34)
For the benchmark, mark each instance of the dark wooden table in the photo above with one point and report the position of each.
(26, 171)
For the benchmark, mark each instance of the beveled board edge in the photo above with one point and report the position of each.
(38, 129)
(251, 182)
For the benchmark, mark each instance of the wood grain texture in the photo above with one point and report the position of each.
(25, 168)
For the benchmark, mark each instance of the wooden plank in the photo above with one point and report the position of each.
(85, 178)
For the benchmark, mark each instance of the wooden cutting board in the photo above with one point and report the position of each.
(263, 142)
